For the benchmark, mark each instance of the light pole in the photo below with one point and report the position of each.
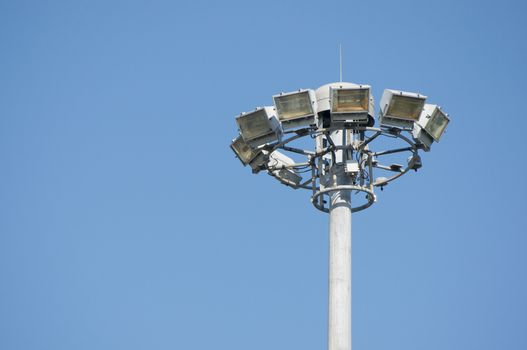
(340, 119)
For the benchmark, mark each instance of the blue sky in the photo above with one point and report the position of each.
(126, 221)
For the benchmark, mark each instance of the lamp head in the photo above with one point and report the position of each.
(296, 109)
(259, 126)
(345, 104)
(431, 126)
(400, 109)
(256, 158)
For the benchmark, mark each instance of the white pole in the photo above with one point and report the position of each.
(339, 308)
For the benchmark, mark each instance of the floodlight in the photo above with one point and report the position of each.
(345, 105)
(259, 127)
(256, 158)
(431, 125)
(280, 167)
(351, 104)
(296, 109)
(400, 109)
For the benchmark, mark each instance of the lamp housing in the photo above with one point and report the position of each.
(255, 158)
(400, 109)
(431, 126)
(351, 105)
(259, 126)
(296, 109)
(344, 104)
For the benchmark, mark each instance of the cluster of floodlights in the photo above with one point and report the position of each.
(340, 106)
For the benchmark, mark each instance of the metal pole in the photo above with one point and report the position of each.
(339, 308)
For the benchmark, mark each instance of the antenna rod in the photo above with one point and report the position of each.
(340, 61)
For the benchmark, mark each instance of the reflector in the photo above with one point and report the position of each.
(350, 100)
(430, 127)
(254, 124)
(437, 124)
(400, 109)
(259, 127)
(405, 107)
(242, 150)
(295, 108)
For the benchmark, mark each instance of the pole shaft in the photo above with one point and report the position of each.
(339, 309)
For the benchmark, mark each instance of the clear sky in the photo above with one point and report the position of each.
(127, 223)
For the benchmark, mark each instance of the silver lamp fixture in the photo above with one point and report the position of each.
(259, 126)
(296, 109)
(431, 126)
(400, 109)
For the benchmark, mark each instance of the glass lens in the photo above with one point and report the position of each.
(350, 100)
(437, 124)
(254, 124)
(243, 150)
(293, 106)
(405, 107)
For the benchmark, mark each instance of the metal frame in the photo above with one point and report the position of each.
(360, 150)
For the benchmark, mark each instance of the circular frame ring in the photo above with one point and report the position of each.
(370, 195)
